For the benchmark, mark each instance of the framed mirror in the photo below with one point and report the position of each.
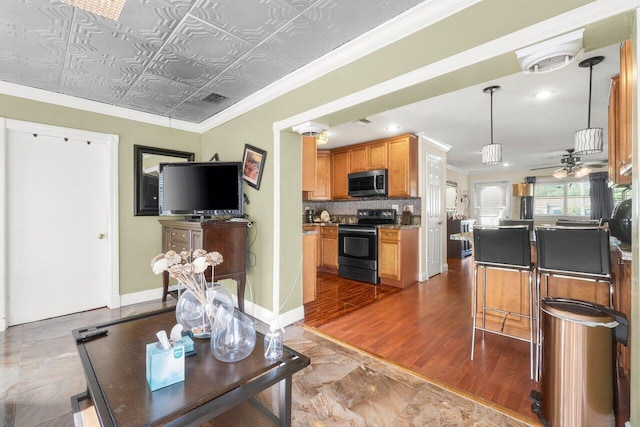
(146, 169)
(451, 197)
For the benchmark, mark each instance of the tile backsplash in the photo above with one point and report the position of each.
(340, 208)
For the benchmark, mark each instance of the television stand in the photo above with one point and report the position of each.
(228, 238)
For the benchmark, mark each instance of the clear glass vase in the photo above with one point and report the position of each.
(196, 313)
(233, 337)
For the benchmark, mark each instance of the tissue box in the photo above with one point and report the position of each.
(164, 367)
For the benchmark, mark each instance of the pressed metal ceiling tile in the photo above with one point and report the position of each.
(165, 56)
(202, 42)
(250, 20)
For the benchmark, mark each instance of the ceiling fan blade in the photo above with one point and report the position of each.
(544, 167)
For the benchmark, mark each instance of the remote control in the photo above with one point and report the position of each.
(89, 335)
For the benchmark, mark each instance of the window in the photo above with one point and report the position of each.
(490, 202)
(562, 199)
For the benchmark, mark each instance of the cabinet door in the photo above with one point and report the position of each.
(309, 268)
(613, 131)
(359, 159)
(308, 163)
(329, 236)
(340, 163)
(403, 166)
(377, 156)
(389, 254)
(323, 177)
(627, 82)
(196, 240)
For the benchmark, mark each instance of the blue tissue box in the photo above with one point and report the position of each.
(164, 367)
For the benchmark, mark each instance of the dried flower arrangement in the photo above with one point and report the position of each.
(188, 268)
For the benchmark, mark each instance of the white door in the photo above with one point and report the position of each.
(57, 203)
(434, 215)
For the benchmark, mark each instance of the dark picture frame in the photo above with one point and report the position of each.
(146, 162)
(253, 165)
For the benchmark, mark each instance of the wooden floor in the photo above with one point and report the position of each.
(427, 329)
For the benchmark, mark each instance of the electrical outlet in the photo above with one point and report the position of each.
(394, 207)
(306, 208)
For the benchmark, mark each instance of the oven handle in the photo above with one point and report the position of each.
(356, 230)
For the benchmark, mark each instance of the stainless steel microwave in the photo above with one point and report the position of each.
(369, 183)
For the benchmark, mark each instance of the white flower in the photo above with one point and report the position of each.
(172, 258)
(160, 265)
(198, 253)
(214, 258)
(200, 265)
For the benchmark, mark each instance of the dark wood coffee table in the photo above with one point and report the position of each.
(114, 366)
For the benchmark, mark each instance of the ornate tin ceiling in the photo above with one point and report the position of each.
(184, 59)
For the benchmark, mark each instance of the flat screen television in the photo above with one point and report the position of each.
(201, 189)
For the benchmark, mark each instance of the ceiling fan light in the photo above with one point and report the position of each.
(589, 141)
(492, 154)
(560, 173)
(323, 138)
(583, 171)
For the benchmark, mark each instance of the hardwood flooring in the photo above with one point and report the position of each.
(427, 329)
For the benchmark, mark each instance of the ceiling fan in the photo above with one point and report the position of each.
(573, 167)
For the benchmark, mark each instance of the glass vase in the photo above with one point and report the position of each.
(233, 337)
(196, 313)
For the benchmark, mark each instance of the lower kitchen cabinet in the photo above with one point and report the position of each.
(398, 256)
(309, 270)
(329, 248)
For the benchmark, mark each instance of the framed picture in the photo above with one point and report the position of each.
(146, 168)
(253, 165)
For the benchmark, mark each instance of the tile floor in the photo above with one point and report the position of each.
(40, 370)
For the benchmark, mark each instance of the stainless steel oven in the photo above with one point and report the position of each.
(358, 245)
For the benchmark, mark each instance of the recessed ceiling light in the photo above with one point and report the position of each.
(505, 164)
(392, 128)
(543, 94)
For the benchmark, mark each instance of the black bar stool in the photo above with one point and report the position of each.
(504, 248)
(573, 252)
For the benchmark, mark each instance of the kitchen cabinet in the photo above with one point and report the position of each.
(370, 156)
(398, 256)
(627, 83)
(622, 302)
(329, 248)
(340, 169)
(316, 229)
(309, 270)
(309, 163)
(323, 177)
(620, 119)
(402, 160)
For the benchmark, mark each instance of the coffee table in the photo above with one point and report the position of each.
(114, 366)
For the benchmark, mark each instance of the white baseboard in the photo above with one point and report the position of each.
(139, 297)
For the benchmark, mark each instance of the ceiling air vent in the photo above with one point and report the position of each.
(362, 122)
(551, 54)
(214, 98)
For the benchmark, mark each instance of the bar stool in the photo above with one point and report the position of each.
(576, 253)
(504, 248)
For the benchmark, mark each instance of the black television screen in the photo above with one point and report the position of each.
(201, 189)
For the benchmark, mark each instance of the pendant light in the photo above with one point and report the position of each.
(589, 140)
(491, 153)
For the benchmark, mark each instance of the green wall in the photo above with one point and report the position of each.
(141, 236)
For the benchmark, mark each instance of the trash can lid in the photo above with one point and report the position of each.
(578, 311)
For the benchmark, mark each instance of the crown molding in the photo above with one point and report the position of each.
(62, 100)
(458, 170)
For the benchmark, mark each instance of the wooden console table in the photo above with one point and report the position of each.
(227, 237)
(114, 366)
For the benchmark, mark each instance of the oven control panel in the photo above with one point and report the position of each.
(376, 216)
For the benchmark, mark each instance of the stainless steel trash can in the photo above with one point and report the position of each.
(577, 374)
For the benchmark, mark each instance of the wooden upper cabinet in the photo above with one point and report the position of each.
(403, 166)
(627, 83)
(370, 156)
(340, 168)
(308, 163)
(323, 177)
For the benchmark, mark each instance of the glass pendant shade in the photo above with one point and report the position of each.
(589, 141)
(492, 154)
